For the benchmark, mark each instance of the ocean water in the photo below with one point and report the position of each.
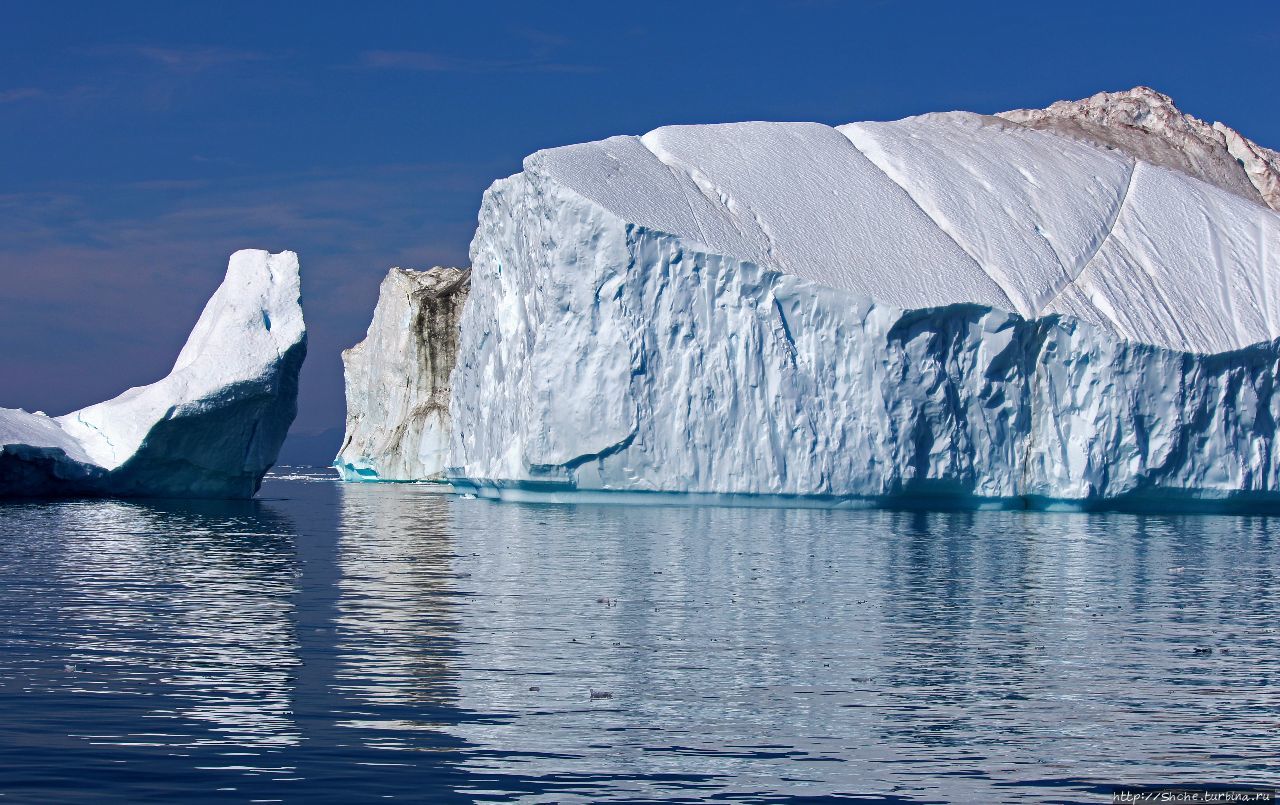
(351, 643)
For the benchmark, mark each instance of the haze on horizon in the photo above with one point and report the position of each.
(145, 147)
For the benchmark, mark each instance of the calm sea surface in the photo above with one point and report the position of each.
(348, 643)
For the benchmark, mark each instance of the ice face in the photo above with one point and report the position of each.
(397, 379)
(617, 358)
(211, 428)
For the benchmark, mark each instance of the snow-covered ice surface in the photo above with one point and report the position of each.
(211, 428)
(397, 379)
(952, 306)
(1148, 253)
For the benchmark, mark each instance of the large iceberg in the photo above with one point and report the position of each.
(952, 306)
(211, 428)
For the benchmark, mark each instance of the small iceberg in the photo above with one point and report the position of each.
(210, 429)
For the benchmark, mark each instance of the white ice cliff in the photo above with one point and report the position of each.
(948, 306)
(211, 428)
(397, 379)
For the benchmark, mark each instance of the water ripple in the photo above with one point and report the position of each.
(348, 642)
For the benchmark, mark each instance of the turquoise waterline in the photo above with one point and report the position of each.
(1141, 501)
(352, 473)
(1144, 501)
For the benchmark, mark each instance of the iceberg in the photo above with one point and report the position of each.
(397, 379)
(210, 429)
(952, 307)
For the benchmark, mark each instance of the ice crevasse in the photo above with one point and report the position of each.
(948, 307)
(210, 429)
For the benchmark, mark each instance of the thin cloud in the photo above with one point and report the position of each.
(57, 97)
(20, 94)
(149, 76)
(427, 62)
(542, 41)
(183, 59)
(196, 59)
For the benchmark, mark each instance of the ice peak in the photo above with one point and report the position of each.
(1140, 104)
(1148, 125)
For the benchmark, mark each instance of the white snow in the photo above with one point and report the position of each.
(19, 427)
(1187, 265)
(1029, 207)
(1152, 254)
(794, 196)
(213, 425)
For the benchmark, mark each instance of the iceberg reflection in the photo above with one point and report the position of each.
(815, 652)
(187, 604)
(396, 619)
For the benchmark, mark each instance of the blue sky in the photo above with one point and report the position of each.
(145, 142)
